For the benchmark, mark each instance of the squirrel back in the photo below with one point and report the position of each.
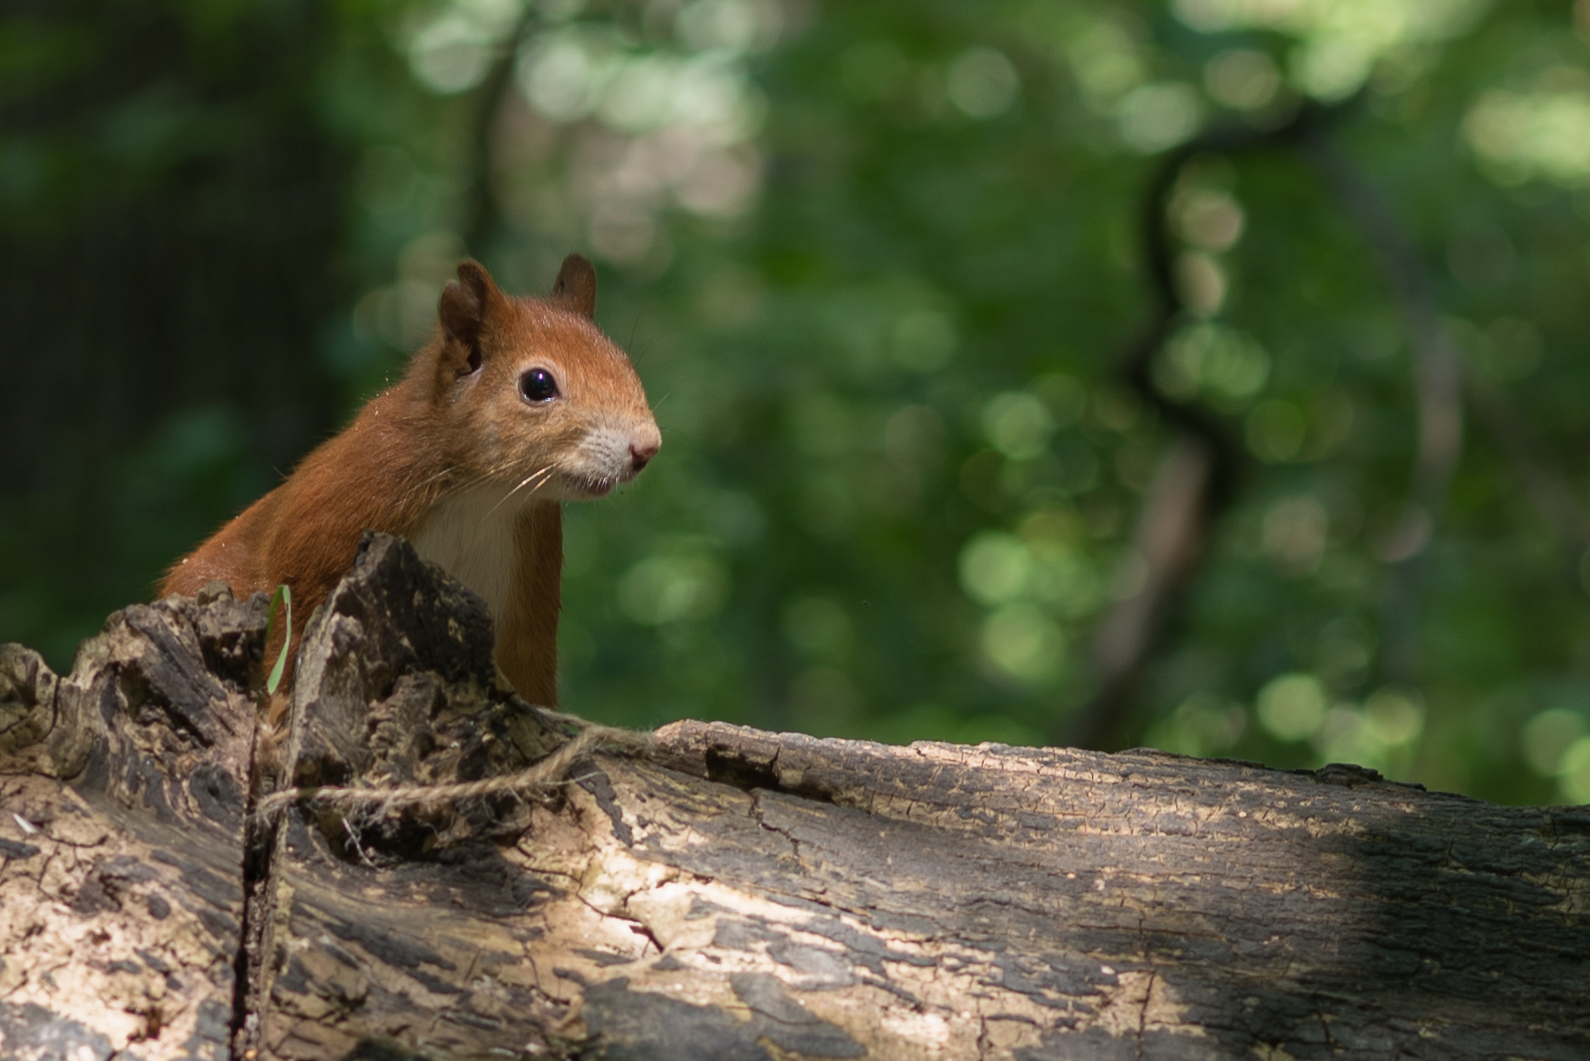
(515, 405)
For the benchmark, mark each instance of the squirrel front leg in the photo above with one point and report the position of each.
(527, 632)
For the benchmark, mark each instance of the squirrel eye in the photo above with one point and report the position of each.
(537, 385)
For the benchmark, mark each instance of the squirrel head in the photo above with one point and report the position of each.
(531, 395)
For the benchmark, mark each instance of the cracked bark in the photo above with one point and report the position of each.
(738, 894)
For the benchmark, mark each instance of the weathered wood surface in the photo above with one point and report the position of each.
(121, 894)
(736, 894)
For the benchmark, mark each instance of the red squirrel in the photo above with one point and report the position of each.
(515, 405)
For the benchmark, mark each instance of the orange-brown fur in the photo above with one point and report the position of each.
(458, 426)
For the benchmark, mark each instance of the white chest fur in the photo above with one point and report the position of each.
(471, 534)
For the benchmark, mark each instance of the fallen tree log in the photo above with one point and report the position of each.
(723, 893)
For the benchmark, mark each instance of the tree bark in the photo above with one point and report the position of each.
(728, 894)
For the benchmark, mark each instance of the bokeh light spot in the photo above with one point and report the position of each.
(1575, 771)
(1152, 118)
(995, 567)
(1018, 424)
(1548, 735)
(1024, 643)
(1292, 706)
(982, 83)
(1242, 78)
(666, 589)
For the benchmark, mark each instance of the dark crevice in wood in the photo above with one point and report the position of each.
(740, 769)
(259, 845)
(258, 850)
(726, 768)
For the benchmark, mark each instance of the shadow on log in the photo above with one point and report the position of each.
(732, 894)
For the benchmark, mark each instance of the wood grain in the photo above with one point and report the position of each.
(743, 894)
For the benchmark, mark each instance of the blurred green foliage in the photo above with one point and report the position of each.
(876, 264)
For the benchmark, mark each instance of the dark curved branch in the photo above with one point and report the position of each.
(1197, 477)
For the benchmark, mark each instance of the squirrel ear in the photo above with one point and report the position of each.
(576, 285)
(464, 306)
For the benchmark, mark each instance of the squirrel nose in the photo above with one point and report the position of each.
(641, 454)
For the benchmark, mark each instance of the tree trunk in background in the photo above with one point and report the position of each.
(733, 894)
(170, 230)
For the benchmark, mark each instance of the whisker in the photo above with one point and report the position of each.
(537, 477)
(444, 473)
(544, 474)
(489, 474)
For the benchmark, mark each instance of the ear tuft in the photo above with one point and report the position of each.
(576, 285)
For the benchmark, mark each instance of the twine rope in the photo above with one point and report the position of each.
(545, 773)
